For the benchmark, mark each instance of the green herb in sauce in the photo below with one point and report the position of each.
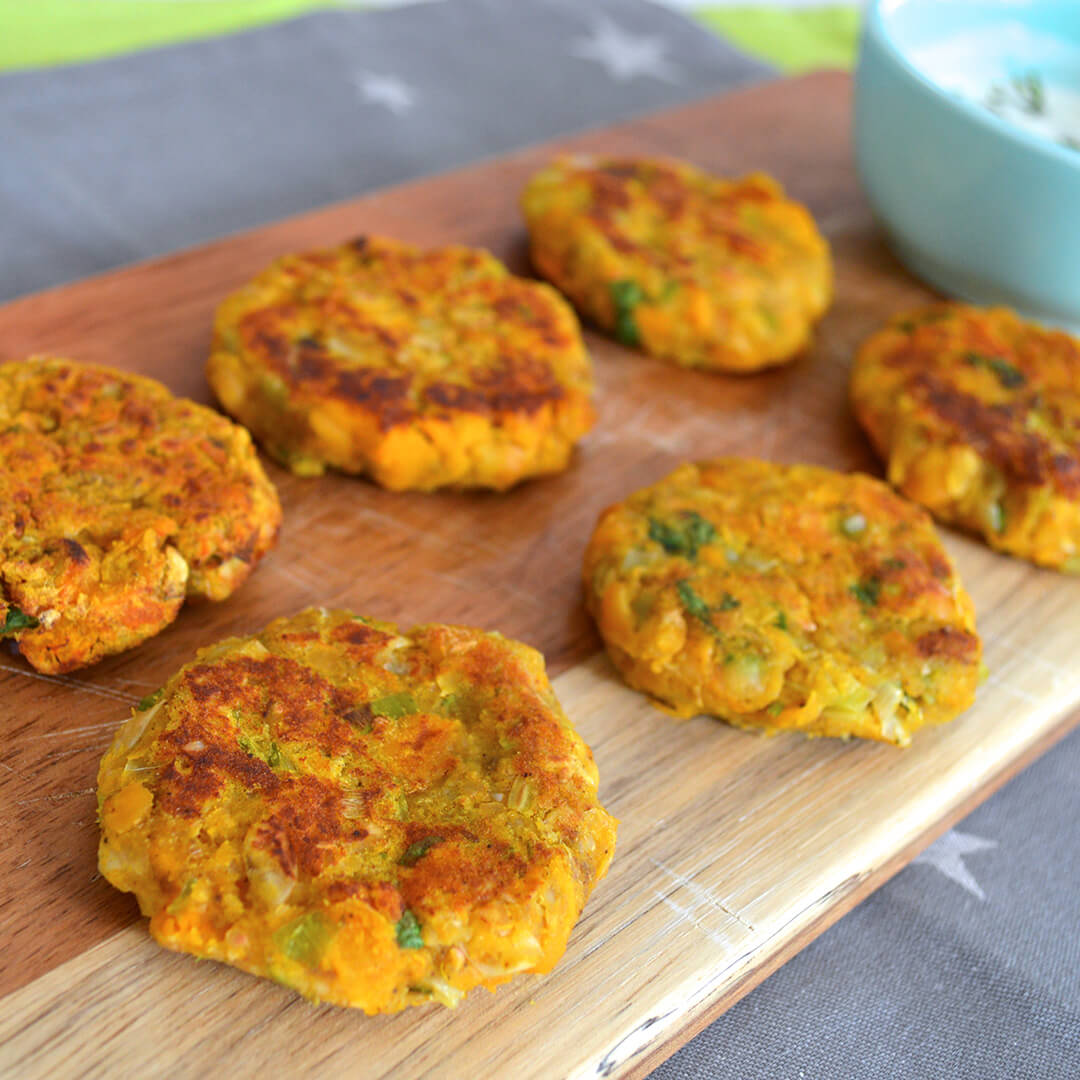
(1025, 92)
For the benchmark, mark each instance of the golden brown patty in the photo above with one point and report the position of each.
(784, 597)
(375, 819)
(423, 369)
(977, 414)
(710, 273)
(117, 500)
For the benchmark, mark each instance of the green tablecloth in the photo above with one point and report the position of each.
(38, 33)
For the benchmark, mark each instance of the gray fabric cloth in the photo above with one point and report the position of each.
(108, 163)
(967, 963)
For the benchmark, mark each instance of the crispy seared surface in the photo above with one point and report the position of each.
(705, 272)
(376, 819)
(784, 598)
(117, 500)
(977, 415)
(422, 369)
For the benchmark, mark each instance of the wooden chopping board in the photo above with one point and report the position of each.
(734, 851)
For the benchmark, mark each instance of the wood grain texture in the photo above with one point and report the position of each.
(734, 850)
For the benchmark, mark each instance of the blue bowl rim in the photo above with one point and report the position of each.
(874, 24)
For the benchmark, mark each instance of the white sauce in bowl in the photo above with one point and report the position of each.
(1024, 77)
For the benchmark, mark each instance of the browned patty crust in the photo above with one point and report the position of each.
(376, 818)
(707, 272)
(422, 369)
(117, 500)
(977, 414)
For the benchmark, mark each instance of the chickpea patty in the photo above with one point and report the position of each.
(977, 415)
(727, 275)
(376, 819)
(784, 597)
(421, 369)
(117, 500)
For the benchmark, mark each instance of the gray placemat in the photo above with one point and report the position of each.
(966, 964)
(107, 163)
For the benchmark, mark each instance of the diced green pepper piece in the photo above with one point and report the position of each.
(395, 706)
(408, 931)
(150, 700)
(996, 516)
(305, 939)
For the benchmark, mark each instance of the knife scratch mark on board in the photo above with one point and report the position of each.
(74, 684)
(56, 796)
(702, 895)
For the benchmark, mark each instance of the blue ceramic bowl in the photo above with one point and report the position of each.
(975, 204)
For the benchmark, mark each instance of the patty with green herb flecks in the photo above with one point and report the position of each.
(784, 597)
(977, 415)
(375, 818)
(727, 275)
(117, 501)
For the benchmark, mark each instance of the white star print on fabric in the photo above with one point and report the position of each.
(623, 55)
(947, 855)
(385, 90)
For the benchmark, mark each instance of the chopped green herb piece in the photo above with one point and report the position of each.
(671, 287)
(415, 852)
(698, 608)
(775, 709)
(150, 700)
(894, 564)
(781, 621)
(1009, 376)
(683, 537)
(853, 525)
(408, 931)
(305, 939)
(626, 296)
(906, 325)
(867, 592)
(395, 706)
(246, 745)
(693, 603)
(273, 757)
(16, 620)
